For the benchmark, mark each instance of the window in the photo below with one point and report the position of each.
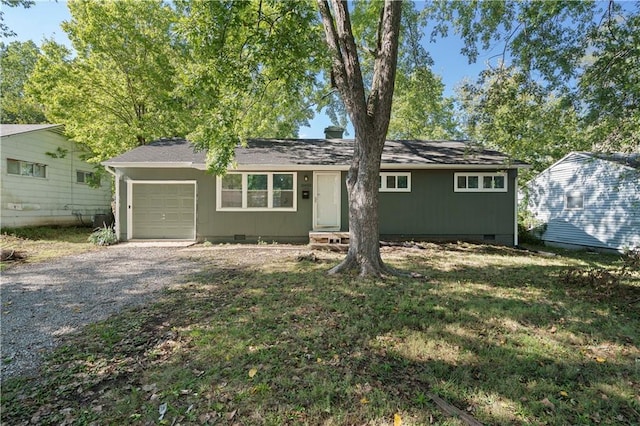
(257, 191)
(480, 182)
(83, 177)
(574, 201)
(25, 168)
(394, 182)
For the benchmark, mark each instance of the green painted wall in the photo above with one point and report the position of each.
(230, 226)
(432, 210)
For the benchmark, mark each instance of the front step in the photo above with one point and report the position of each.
(328, 237)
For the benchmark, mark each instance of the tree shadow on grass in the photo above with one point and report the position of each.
(297, 347)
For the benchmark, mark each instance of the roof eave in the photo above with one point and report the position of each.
(152, 165)
(312, 167)
(58, 128)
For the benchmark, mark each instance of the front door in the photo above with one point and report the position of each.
(326, 201)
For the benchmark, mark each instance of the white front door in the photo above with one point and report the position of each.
(326, 201)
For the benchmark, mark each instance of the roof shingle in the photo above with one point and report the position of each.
(325, 152)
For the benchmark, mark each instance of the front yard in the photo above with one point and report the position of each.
(42, 243)
(261, 337)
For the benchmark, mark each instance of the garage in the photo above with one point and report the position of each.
(162, 210)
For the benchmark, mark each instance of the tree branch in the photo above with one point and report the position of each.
(345, 62)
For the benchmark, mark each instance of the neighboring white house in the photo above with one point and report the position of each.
(589, 200)
(44, 179)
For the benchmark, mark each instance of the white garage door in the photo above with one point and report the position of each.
(162, 210)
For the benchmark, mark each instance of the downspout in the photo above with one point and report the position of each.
(515, 210)
(116, 213)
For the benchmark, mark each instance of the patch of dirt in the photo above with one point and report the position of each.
(8, 255)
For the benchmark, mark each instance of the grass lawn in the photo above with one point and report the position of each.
(40, 243)
(506, 336)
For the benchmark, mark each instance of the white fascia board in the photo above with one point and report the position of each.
(119, 165)
(397, 166)
(312, 167)
(286, 167)
(383, 166)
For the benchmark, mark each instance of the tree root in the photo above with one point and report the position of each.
(367, 269)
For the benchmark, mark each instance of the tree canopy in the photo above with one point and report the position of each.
(17, 61)
(115, 90)
(567, 78)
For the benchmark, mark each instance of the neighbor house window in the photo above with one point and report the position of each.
(83, 177)
(257, 191)
(574, 201)
(25, 168)
(480, 182)
(394, 182)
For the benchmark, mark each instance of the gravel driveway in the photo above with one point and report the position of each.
(41, 303)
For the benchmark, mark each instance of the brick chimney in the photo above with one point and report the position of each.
(333, 132)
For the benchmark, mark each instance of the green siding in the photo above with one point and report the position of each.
(432, 210)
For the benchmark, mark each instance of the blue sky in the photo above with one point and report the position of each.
(44, 18)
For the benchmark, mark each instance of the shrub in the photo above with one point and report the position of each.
(104, 236)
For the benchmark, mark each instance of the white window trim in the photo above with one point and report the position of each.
(480, 177)
(573, 194)
(383, 181)
(46, 169)
(269, 207)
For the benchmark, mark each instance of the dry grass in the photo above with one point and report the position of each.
(38, 244)
(260, 338)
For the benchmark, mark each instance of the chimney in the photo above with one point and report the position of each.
(333, 132)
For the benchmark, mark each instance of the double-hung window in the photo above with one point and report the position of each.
(26, 168)
(394, 182)
(256, 191)
(480, 182)
(83, 177)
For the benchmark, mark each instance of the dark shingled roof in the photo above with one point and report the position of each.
(326, 152)
(629, 160)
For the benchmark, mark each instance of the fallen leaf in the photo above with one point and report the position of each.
(600, 359)
(397, 420)
(253, 372)
(364, 401)
(231, 415)
(548, 403)
(563, 393)
(149, 388)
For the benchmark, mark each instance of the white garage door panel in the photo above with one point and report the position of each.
(163, 210)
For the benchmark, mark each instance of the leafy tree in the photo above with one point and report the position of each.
(508, 111)
(555, 44)
(115, 91)
(251, 69)
(420, 110)
(370, 112)
(610, 86)
(17, 61)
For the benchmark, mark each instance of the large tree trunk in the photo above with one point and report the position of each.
(370, 114)
(362, 192)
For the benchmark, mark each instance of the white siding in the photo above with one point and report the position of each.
(56, 199)
(610, 217)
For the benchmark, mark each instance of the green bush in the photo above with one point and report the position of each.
(103, 236)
